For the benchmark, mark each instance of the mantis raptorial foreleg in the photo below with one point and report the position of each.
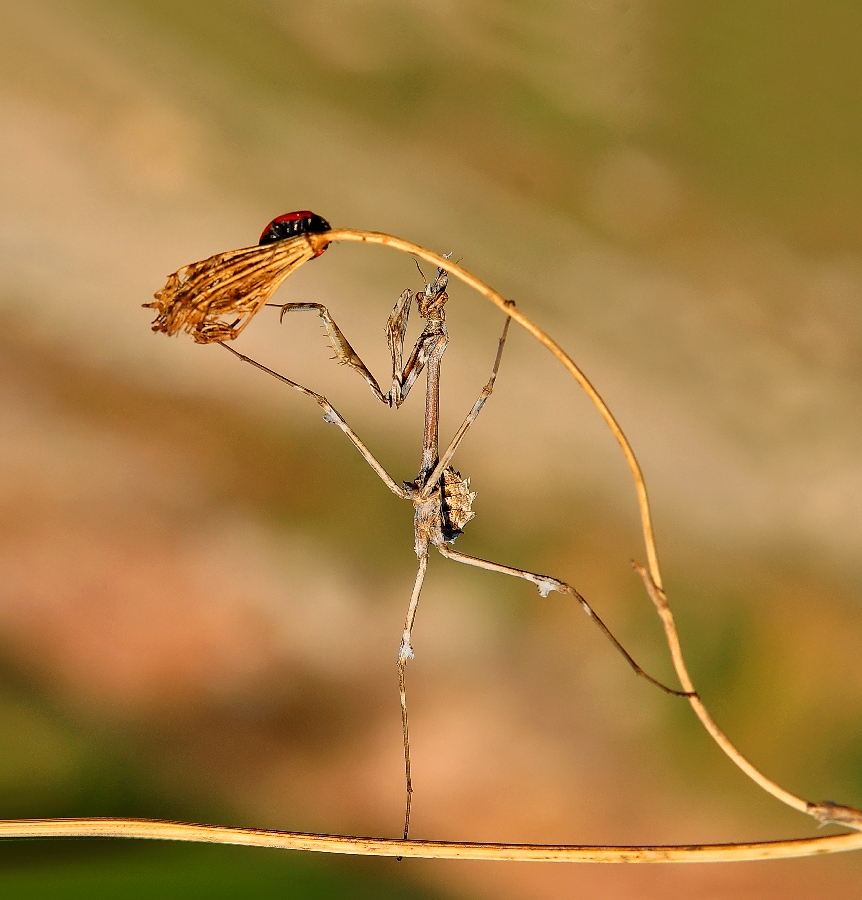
(403, 377)
(344, 353)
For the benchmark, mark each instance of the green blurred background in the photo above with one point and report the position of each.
(202, 588)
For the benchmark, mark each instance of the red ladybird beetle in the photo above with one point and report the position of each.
(293, 224)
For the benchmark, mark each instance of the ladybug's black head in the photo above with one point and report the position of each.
(293, 224)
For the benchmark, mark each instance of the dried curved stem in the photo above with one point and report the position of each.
(326, 843)
(823, 812)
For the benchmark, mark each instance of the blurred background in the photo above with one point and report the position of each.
(202, 587)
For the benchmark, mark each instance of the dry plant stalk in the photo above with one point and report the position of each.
(214, 300)
(155, 829)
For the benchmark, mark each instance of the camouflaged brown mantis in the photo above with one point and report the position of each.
(216, 298)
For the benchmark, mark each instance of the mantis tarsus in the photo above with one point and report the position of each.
(441, 497)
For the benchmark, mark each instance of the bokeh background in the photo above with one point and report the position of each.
(202, 587)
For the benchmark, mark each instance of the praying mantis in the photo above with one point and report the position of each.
(215, 299)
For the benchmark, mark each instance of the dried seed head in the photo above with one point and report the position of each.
(214, 299)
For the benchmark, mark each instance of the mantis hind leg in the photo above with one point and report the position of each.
(545, 585)
(405, 653)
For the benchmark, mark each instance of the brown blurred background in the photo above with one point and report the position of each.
(202, 587)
